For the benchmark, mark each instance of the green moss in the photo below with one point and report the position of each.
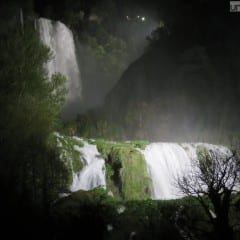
(126, 171)
(82, 198)
(186, 148)
(93, 196)
(91, 141)
(202, 152)
(104, 147)
(69, 154)
(69, 178)
(135, 180)
(150, 219)
(127, 175)
(139, 144)
(77, 162)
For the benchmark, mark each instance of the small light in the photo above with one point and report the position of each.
(143, 19)
(138, 16)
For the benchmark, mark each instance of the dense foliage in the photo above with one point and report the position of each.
(104, 218)
(31, 173)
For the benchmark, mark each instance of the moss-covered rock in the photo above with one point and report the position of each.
(83, 213)
(78, 198)
(96, 213)
(70, 153)
(202, 152)
(127, 176)
(141, 144)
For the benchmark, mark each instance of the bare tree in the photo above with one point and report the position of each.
(214, 177)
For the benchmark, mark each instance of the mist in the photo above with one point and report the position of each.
(156, 70)
(96, 84)
(153, 96)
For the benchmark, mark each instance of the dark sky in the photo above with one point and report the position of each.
(170, 10)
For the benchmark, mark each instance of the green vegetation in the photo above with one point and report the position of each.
(127, 176)
(149, 219)
(118, 156)
(141, 144)
(70, 153)
(88, 125)
(109, 52)
(36, 165)
(31, 171)
(107, 218)
(202, 152)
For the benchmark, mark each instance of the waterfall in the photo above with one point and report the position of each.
(93, 173)
(166, 162)
(60, 40)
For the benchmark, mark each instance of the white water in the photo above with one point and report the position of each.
(93, 173)
(60, 40)
(166, 162)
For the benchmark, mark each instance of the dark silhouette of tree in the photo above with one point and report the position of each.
(215, 176)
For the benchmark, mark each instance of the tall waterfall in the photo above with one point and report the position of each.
(166, 162)
(93, 173)
(60, 40)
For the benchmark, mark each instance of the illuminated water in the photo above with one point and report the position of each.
(59, 38)
(93, 173)
(166, 162)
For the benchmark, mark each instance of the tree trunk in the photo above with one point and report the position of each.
(223, 231)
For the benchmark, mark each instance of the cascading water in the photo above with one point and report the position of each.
(60, 40)
(166, 162)
(93, 173)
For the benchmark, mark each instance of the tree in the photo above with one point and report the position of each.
(214, 177)
(30, 111)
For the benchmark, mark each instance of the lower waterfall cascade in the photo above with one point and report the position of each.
(165, 162)
(93, 173)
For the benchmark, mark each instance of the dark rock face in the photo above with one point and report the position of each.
(185, 84)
